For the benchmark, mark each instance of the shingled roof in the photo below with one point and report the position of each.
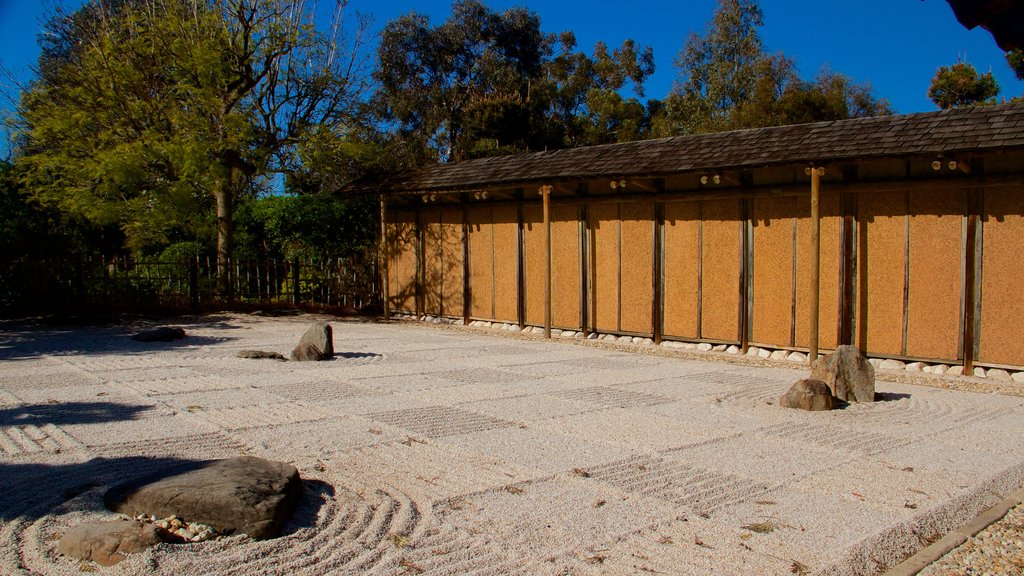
(944, 132)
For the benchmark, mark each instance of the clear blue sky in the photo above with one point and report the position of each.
(897, 45)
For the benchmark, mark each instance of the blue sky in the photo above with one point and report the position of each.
(896, 45)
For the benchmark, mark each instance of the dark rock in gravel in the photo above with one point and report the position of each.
(848, 373)
(260, 355)
(316, 344)
(245, 494)
(161, 334)
(808, 394)
(107, 543)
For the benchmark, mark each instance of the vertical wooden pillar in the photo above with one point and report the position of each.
(420, 265)
(847, 269)
(658, 300)
(970, 289)
(816, 174)
(467, 294)
(584, 251)
(520, 261)
(746, 272)
(382, 254)
(545, 192)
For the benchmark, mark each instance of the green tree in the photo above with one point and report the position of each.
(728, 81)
(581, 94)
(1015, 58)
(150, 112)
(485, 83)
(961, 85)
(435, 82)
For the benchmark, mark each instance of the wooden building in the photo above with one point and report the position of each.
(903, 235)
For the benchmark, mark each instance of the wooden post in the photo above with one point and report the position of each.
(545, 192)
(816, 174)
(971, 257)
(383, 258)
(467, 294)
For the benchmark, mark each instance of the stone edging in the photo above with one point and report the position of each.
(956, 538)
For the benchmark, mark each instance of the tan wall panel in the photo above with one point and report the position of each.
(432, 265)
(1002, 305)
(881, 261)
(565, 264)
(452, 258)
(936, 241)
(720, 255)
(773, 271)
(480, 258)
(637, 267)
(505, 265)
(402, 263)
(533, 240)
(682, 269)
(830, 250)
(604, 222)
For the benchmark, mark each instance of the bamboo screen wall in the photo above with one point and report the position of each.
(733, 264)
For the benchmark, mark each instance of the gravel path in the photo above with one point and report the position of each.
(998, 549)
(449, 451)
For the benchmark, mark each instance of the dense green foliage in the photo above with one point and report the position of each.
(179, 128)
(728, 81)
(156, 115)
(961, 85)
(485, 82)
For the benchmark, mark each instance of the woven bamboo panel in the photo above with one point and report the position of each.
(432, 266)
(637, 284)
(565, 266)
(505, 265)
(682, 269)
(533, 231)
(881, 274)
(772, 321)
(481, 271)
(829, 265)
(452, 260)
(401, 235)
(720, 257)
(604, 226)
(936, 249)
(1002, 294)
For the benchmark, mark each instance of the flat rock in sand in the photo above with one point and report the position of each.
(808, 394)
(161, 334)
(107, 543)
(259, 355)
(245, 494)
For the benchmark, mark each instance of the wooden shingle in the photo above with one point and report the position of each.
(942, 132)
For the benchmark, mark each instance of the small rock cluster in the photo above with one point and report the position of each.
(316, 344)
(844, 375)
(178, 528)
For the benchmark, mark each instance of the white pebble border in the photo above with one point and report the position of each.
(777, 355)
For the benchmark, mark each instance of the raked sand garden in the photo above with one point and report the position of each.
(426, 450)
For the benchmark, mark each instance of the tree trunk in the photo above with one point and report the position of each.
(225, 210)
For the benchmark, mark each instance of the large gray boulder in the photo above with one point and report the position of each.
(107, 543)
(848, 373)
(808, 394)
(316, 344)
(245, 494)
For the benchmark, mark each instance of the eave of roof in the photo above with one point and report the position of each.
(960, 131)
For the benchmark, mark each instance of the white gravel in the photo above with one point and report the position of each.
(440, 451)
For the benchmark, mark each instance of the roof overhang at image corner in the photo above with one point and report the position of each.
(972, 131)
